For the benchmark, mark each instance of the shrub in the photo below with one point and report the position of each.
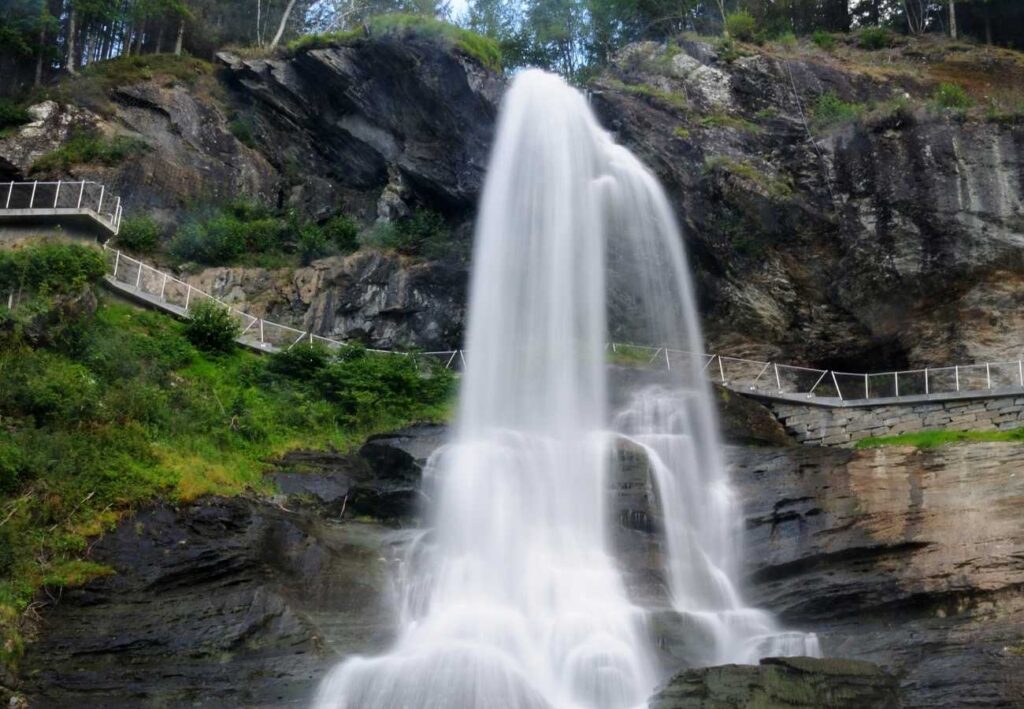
(873, 38)
(302, 361)
(139, 234)
(824, 40)
(312, 243)
(49, 268)
(424, 233)
(786, 39)
(741, 25)
(219, 236)
(242, 128)
(87, 148)
(831, 110)
(952, 96)
(211, 327)
(343, 232)
(11, 114)
(48, 388)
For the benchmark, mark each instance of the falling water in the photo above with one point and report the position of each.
(514, 599)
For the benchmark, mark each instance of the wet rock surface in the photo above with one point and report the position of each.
(783, 682)
(910, 558)
(225, 603)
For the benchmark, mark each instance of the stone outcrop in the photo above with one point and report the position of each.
(785, 682)
(913, 559)
(843, 426)
(886, 242)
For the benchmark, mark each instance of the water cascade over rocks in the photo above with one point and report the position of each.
(514, 599)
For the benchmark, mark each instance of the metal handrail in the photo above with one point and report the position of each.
(759, 376)
(78, 195)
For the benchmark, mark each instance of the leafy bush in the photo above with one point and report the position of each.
(51, 268)
(831, 110)
(874, 38)
(140, 235)
(303, 361)
(952, 96)
(424, 233)
(211, 327)
(312, 243)
(242, 127)
(49, 388)
(741, 25)
(86, 148)
(11, 114)
(824, 40)
(343, 232)
(219, 236)
(787, 40)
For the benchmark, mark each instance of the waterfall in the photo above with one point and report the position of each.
(514, 598)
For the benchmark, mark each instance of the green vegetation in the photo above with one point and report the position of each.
(830, 110)
(134, 411)
(681, 132)
(243, 128)
(211, 327)
(874, 38)
(741, 26)
(824, 40)
(85, 148)
(667, 98)
(424, 233)
(786, 40)
(50, 268)
(933, 439)
(775, 187)
(952, 96)
(139, 235)
(12, 115)
(727, 120)
(483, 49)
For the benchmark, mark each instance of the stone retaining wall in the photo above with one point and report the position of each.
(843, 426)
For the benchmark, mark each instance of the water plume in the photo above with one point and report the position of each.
(515, 598)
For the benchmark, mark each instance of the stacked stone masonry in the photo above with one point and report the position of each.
(828, 426)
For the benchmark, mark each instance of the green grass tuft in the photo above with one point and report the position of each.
(483, 49)
(933, 439)
(88, 149)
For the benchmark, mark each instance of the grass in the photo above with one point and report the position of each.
(95, 83)
(933, 439)
(124, 410)
(484, 50)
(666, 98)
(830, 110)
(773, 186)
(84, 148)
(725, 120)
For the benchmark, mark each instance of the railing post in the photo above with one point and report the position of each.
(32, 199)
(896, 375)
(138, 279)
(56, 195)
(988, 375)
(188, 296)
(926, 380)
(1020, 370)
(163, 287)
(956, 373)
(81, 193)
(99, 208)
(866, 394)
(261, 331)
(836, 383)
(117, 209)
(10, 191)
(117, 261)
(778, 382)
(668, 365)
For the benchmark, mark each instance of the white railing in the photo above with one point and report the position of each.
(80, 196)
(744, 375)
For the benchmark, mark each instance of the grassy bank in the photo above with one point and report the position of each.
(106, 408)
(933, 439)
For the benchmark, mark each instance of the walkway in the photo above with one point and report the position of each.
(61, 202)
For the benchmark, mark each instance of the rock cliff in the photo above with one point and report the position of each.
(887, 238)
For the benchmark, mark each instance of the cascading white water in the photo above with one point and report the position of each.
(514, 598)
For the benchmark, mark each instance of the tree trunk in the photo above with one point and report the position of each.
(39, 58)
(70, 60)
(139, 36)
(952, 18)
(284, 21)
(128, 33)
(988, 25)
(181, 37)
(160, 39)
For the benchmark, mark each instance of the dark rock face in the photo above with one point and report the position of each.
(892, 242)
(226, 603)
(789, 682)
(912, 559)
